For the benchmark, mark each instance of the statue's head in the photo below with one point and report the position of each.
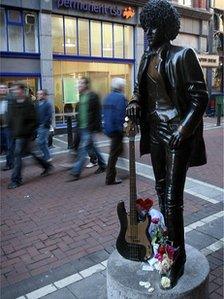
(160, 21)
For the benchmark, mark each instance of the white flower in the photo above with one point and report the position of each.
(166, 264)
(165, 282)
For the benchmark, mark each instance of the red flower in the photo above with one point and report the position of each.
(161, 249)
(144, 204)
(159, 257)
(170, 251)
(155, 220)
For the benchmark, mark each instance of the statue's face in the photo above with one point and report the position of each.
(155, 37)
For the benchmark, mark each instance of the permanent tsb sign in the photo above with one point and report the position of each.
(100, 9)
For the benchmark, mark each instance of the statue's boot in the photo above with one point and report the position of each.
(176, 234)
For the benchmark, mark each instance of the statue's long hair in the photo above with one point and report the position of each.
(161, 14)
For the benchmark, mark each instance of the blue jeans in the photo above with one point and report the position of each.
(86, 143)
(23, 146)
(42, 141)
(20, 145)
(9, 145)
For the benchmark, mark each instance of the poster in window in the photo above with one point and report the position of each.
(70, 90)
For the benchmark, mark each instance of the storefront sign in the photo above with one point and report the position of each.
(209, 60)
(70, 90)
(101, 9)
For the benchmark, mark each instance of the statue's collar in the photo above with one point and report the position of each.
(159, 51)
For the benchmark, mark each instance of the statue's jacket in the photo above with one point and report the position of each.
(186, 87)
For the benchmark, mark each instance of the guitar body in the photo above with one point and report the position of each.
(133, 248)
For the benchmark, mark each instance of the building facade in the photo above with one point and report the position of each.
(51, 43)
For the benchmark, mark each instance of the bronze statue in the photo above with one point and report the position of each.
(169, 100)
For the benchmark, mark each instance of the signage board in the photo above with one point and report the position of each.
(97, 8)
(208, 60)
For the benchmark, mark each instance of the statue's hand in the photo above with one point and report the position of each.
(178, 137)
(133, 111)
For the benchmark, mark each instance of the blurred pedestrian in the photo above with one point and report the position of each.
(114, 109)
(6, 138)
(89, 123)
(23, 124)
(44, 119)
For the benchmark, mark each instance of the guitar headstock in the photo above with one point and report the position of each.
(130, 128)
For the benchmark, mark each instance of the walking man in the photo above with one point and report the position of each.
(22, 122)
(114, 110)
(89, 123)
(44, 118)
(6, 138)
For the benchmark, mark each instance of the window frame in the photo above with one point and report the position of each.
(20, 24)
(89, 33)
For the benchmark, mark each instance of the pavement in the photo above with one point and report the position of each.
(57, 235)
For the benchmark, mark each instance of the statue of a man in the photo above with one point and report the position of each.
(169, 101)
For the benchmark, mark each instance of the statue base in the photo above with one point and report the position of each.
(123, 277)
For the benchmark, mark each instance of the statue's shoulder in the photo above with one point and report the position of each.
(182, 52)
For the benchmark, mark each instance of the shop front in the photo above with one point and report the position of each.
(94, 40)
(51, 44)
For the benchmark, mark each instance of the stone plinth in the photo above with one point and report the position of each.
(123, 277)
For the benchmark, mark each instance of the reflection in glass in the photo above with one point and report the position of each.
(57, 34)
(95, 38)
(107, 40)
(70, 36)
(118, 41)
(83, 26)
(30, 34)
(3, 46)
(15, 35)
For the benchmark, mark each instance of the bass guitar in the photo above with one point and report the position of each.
(133, 241)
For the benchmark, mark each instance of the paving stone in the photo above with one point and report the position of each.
(99, 256)
(83, 263)
(199, 240)
(214, 228)
(93, 287)
(63, 293)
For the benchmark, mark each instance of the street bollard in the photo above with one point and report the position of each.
(69, 132)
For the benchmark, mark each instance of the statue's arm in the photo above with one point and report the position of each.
(196, 90)
(197, 98)
(133, 108)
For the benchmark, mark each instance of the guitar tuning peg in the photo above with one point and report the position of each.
(126, 118)
(125, 125)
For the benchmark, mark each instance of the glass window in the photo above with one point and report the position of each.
(15, 35)
(30, 32)
(57, 34)
(129, 44)
(203, 44)
(70, 36)
(107, 40)
(14, 16)
(100, 75)
(83, 26)
(95, 38)
(3, 46)
(118, 41)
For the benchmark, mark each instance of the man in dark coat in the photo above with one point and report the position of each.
(22, 123)
(89, 123)
(114, 110)
(169, 100)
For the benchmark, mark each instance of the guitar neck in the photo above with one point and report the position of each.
(133, 193)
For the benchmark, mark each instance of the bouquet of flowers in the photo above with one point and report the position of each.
(164, 252)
